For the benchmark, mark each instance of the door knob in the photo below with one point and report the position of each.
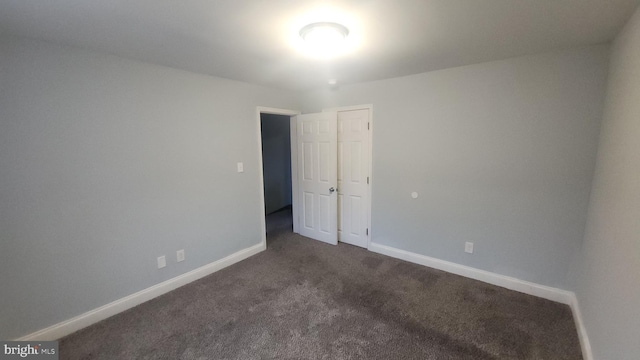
(331, 190)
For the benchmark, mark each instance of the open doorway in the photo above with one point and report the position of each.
(279, 187)
(276, 170)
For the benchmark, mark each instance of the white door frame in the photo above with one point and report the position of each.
(370, 108)
(294, 167)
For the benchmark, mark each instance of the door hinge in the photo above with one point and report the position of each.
(367, 179)
(368, 126)
(367, 231)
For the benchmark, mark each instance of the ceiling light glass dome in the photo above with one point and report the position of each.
(324, 37)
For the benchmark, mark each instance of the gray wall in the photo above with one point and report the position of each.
(501, 153)
(608, 286)
(276, 157)
(106, 164)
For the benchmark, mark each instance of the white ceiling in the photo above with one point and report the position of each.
(255, 40)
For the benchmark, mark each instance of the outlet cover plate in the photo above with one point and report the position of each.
(468, 247)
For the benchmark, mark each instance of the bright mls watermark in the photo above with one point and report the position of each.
(29, 350)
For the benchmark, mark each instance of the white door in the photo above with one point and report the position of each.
(317, 176)
(353, 176)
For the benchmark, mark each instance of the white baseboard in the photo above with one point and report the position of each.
(508, 282)
(511, 283)
(91, 317)
(74, 324)
(587, 354)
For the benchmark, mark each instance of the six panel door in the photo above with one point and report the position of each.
(353, 172)
(317, 176)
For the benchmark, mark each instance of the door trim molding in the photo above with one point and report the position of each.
(371, 177)
(294, 173)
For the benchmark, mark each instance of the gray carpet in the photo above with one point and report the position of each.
(302, 299)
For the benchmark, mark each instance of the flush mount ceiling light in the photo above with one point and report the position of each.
(324, 36)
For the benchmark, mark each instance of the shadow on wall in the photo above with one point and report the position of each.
(276, 161)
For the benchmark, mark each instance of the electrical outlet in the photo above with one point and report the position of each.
(162, 262)
(468, 247)
(180, 255)
(240, 167)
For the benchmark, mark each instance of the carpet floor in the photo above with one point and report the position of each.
(302, 299)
